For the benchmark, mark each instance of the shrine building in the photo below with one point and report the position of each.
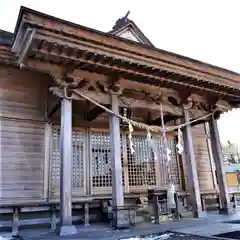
(91, 122)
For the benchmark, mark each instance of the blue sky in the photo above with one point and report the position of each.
(205, 30)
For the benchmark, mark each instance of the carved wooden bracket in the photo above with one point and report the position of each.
(104, 98)
(211, 102)
(114, 83)
(223, 106)
(186, 100)
(157, 98)
(67, 70)
(185, 97)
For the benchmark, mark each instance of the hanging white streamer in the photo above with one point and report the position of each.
(168, 154)
(149, 136)
(170, 196)
(179, 144)
(130, 128)
(149, 139)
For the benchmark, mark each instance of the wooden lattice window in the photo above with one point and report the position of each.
(77, 161)
(171, 143)
(174, 162)
(141, 164)
(101, 159)
(55, 170)
(163, 176)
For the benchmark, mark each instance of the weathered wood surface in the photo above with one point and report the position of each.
(189, 153)
(21, 94)
(23, 104)
(22, 133)
(67, 34)
(205, 164)
(218, 159)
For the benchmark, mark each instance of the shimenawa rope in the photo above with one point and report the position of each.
(148, 128)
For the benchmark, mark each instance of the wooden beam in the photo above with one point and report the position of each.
(53, 108)
(158, 122)
(136, 74)
(198, 122)
(123, 101)
(94, 113)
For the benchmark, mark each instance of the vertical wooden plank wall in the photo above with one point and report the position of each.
(205, 165)
(22, 132)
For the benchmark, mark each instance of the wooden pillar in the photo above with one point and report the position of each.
(218, 159)
(66, 227)
(119, 213)
(193, 184)
(53, 222)
(86, 214)
(15, 222)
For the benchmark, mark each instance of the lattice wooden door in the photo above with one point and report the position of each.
(101, 162)
(141, 165)
(147, 170)
(174, 164)
(78, 139)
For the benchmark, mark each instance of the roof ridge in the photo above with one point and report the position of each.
(125, 22)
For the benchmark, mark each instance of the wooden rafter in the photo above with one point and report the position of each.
(140, 61)
(150, 76)
(67, 32)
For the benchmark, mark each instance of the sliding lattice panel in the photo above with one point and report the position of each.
(141, 170)
(101, 163)
(141, 165)
(148, 169)
(77, 163)
(173, 164)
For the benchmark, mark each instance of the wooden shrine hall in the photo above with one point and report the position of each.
(91, 118)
